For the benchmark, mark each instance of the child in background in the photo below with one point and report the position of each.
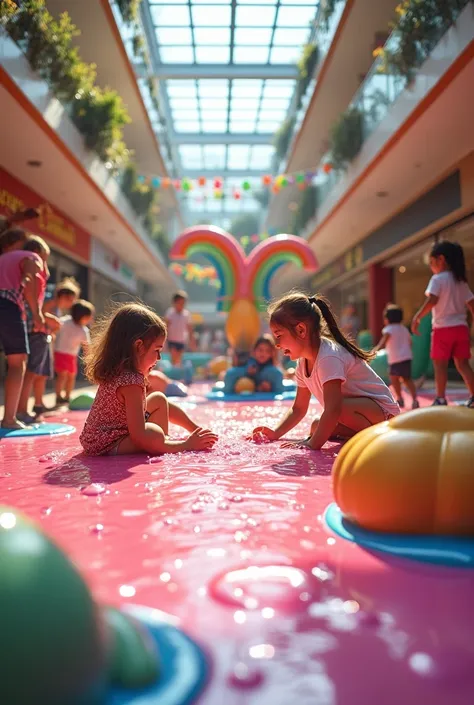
(448, 296)
(73, 333)
(20, 273)
(260, 367)
(123, 419)
(66, 293)
(397, 341)
(332, 368)
(180, 328)
(40, 364)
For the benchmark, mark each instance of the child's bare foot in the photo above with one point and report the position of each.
(14, 425)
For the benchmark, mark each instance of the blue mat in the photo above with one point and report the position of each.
(440, 550)
(42, 429)
(182, 665)
(255, 396)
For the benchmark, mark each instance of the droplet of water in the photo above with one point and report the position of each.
(197, 507)
(257, 587)
(93, 490)
(443, 665)
(237, 498)
(245, 676)
(96, 528)
(223, 505)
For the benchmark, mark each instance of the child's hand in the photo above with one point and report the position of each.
(415, 325)
(264, 386)
(38, 322)
(201, 439)
(262, 434)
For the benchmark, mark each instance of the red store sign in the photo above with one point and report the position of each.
(51, 224)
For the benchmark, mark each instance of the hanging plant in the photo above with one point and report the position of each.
(138, 44)
(419, 26)
(306, 67)
(283, 137)
(306, 210)
(346, 138)
(327, 11)
(129, 10)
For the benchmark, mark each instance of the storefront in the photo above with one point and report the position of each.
(111, 280)
(69, 243)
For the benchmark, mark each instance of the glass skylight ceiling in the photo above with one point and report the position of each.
(224, 120)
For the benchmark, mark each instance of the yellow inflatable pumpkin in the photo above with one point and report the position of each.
(413, 474)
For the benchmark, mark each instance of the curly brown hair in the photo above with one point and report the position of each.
(113, 337)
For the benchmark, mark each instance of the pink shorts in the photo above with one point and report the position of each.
(450, 342)
(63, 362)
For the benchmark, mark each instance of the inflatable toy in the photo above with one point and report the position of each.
(218, 394)
(422, 365)
(38, 429)
(379, 364)
(410, 475)
(244, 281)
(73, 651)
(184, 373)
(244, 385)
(365, 340)
(82, 402)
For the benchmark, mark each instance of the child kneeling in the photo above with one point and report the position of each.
(260, 367)
(123, 419)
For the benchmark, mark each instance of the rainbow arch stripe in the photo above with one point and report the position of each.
(269, 256)
(223, 252)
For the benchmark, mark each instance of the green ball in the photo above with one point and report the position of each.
(300, 178)
(246, 186)
(52, 646)
(82, 402)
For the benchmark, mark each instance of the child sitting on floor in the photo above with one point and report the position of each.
(122, 418)
(331, 367)
(259, 367)
(72, 335)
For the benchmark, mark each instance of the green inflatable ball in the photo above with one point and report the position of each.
(52, 646)
(82, 402)
(57, 646)
(379, 364)
(365, 340)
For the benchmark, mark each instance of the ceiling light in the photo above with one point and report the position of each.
(402, 269)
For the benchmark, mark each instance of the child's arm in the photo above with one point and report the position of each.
(295, 415)
(149, 436)
(53, 323)
(330, 416)
(430, 303)
(29, 269)
(382, 342)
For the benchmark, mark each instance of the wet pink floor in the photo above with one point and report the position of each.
(233, 544)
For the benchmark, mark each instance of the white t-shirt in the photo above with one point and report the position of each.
(358, 379)
(71, 336)
(398, 346)
(453, 297)
(178, 322)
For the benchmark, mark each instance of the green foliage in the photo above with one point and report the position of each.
(144, 201)
(138, 44)
(418, 27)
(128, 9)
(306, 210)
(99, 114)
(346, 137)
(283, 137)
(327, 12)
(306, 66)
(245, 224)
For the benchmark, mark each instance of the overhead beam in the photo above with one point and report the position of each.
(224, 173)
(169, 71)
(203, 138)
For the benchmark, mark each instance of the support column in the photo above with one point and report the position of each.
(380, 294)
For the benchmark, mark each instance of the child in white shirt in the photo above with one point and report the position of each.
(396, 339)
(180, 328)
(332, 368)
(71, 336)
(449, 297)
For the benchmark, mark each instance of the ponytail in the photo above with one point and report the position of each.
(296, 307)
(331, 322)
(454, 256)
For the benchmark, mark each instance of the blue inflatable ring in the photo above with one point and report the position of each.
(39, 429)
(254, 396)
(183, 668)
(440, 550)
